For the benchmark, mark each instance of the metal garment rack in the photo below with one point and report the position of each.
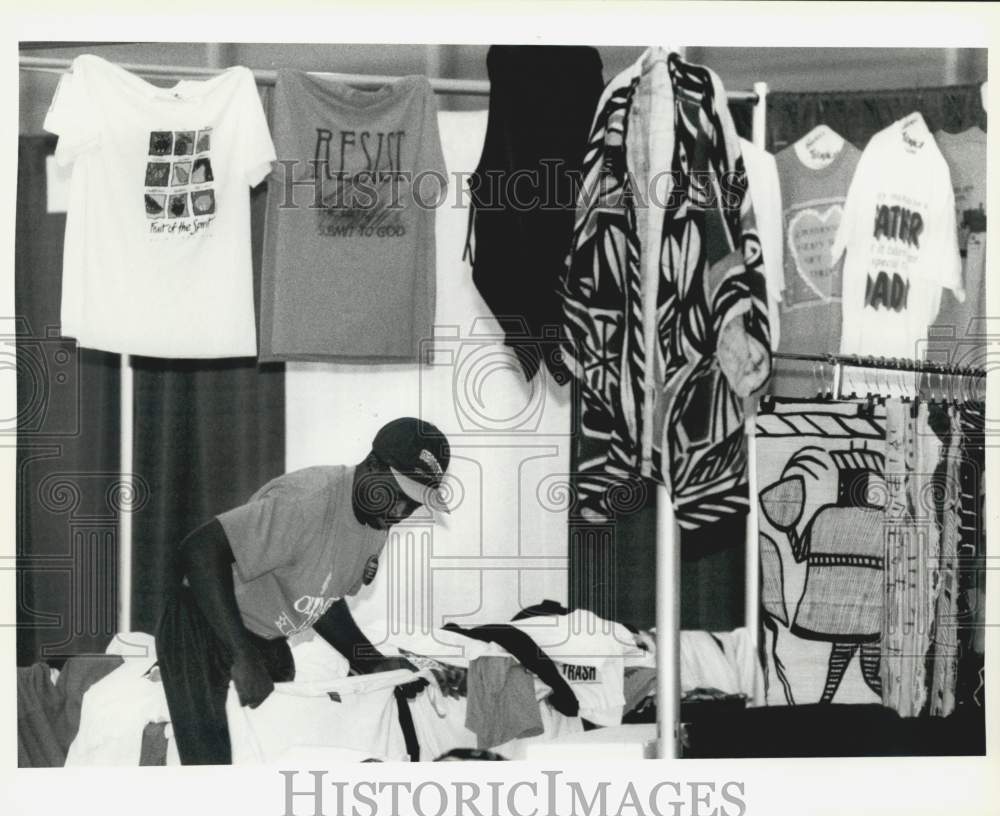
(668, 561)
(890, 363)
(267, 78)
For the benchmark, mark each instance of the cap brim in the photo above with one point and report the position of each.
(424, 494)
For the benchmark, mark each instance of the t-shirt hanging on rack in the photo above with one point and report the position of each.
(898, 231)
(349, 257)
(813, 204)
(958, 328)
(157, 253)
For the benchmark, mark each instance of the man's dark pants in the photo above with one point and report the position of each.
(194, 666)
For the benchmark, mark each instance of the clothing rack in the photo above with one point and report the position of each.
(668, 557)
(891, 363)
(267, 78)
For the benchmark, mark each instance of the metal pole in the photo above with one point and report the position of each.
(760, 115)
(460, 87)
(467, 87)
(751, 596)
(668, 604)
(126, 468)
(895, 364)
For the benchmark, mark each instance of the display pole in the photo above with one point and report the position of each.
(127, 493)
(667, 627)
(751, 592)
(760, 116)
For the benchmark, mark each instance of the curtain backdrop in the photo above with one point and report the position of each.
(67, 435)
(742, 113)
(859, 115)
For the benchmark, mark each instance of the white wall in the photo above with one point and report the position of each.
(504, 546)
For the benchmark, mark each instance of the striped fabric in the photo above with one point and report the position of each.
(920, 638)
(663, 359)
(971, 531)
(944, 645)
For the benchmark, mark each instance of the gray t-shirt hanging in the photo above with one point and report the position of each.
(348, 262)
(958, 333)
(812, 203)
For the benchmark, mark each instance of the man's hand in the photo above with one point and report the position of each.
(253, 682)
(394, 663)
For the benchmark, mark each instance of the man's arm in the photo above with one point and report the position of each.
(206, 561)
(338, 628)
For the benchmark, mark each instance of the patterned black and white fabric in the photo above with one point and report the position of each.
(665, 401)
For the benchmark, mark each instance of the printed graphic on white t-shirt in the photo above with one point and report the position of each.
(179, 195)
(899, 223)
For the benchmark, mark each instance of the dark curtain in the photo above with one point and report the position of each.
(859, 115)
(207, 436)
(208, 433)
(612, 569)
(742, 113)
(67, 427)
(612, 566)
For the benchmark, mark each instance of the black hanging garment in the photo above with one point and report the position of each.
(523, 193)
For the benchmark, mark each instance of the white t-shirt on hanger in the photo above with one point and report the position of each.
(157, 251)
(898, 230)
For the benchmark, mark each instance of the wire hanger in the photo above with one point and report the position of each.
(915, 132)
(937, 395)
(828, 394)
(819, 147)
(868, 407)
(904, 383)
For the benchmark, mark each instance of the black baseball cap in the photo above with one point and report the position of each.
(417, 454)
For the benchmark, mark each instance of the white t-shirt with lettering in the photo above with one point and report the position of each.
(898, 232)
(157, 252)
